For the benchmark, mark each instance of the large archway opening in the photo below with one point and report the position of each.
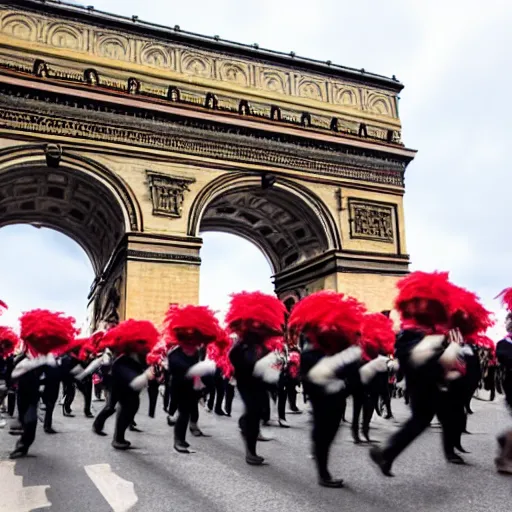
(77, 199)
(286, 222)
(43, 268)
(67, 201)
(231, 264)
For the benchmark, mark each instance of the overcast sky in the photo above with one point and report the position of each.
(454, 59)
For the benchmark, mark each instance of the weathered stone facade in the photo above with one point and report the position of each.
(133, 140)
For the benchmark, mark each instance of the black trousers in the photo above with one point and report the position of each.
(11, 402)
(363, 401)
(153, 387)
(27, 410)
(327, 415)
(282, 396)
(291, 390)
(188, 411)
(216, 392)
(257, 402)
(425, 404)
(230, 395)
(108, 410)
(129, 402)
(50, 397)
(84, 386)
(167, 392)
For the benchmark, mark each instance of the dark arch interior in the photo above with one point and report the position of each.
(65, 200)
(281, 225)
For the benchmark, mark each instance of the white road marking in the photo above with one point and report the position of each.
(119, 493)
(16, 498)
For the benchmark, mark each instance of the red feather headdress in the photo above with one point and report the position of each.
(484, 342)
(506, 298)
(426, 295)
(377, 335)
(219, 353)
(157, 354)
(471, 317)
(330, 320)
(8, 341)
(193, 325)
(256, 312)
(136, 336)
(44, 331)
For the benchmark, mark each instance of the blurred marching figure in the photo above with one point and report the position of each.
(8, 342)
(257, 320)
(331, 324)
(471, 320)
(504, 357)
(378, 342)
(430, 356)
(131, 341)
(74, 362)
(188, 329)
(45, 335)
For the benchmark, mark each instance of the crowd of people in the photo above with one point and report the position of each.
(329, 344)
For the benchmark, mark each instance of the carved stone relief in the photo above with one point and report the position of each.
(114, 45)
(81, 119)
(168, 193)
(371, 221)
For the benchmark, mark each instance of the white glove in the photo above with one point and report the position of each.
(370, 369)
(451, 355)
(393, 365)
(268, 368)
(202, 369)
(50, 360)
(324, 372)
(466, 351)
(426, 349)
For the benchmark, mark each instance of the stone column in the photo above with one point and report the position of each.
(160, 269)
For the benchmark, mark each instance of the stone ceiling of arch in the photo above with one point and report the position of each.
(64, 200)
(287, 233)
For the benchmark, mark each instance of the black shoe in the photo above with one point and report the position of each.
(121, 445)
(331, 482)
(196, 431)
(460, 449)
(357, 439)
(99, 432)
(18, 453)
(254, 460)
(220, 412)
(67, 414)
(181, 447)
(384, 465)
(133, 428)
(170, 421)
(88, 414)
(453, 458)
(50, 430)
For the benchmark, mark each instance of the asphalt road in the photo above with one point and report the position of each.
(76, 470)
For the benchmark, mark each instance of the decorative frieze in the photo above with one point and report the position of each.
(168, 193)
(64, 116)
(372, 220)
(194, 65)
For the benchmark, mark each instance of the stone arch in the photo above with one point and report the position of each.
(288, 222)
(80, 198)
